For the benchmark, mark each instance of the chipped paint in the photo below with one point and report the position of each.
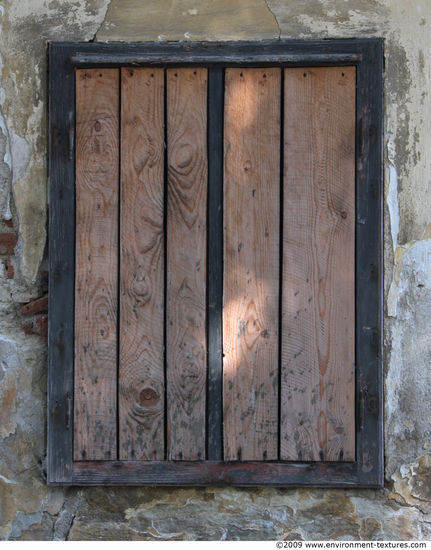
(5, 190)
(408, 378)
(20, 153)
(8, 400)
(412, 482)
(8, 481)
(392, 201)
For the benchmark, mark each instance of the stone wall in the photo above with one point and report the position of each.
(28, 509)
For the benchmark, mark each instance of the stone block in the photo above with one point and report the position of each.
(136, 20)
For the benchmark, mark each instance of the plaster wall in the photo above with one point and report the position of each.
(28, 509)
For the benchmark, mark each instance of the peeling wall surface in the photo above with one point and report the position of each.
(29, 510)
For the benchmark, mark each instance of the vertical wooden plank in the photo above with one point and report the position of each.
(61, 263)
(251, 263)
(186, 262)
(369, 264)
(141, 368)
(318, 421)
(215, 262)
(96, 277)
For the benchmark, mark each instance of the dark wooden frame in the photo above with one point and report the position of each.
(367, 470)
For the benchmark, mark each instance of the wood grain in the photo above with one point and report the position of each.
(317, 415)
(96, 276)
(215, 263)
(141, 370)
(251, 263)
(61, 313)
(186, 263)
(221, 54)
(209, 473)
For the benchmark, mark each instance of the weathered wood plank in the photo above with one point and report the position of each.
(216, 473)
(96, 276)
(61, 264)
(251, 263)
(369, 262)
(242, 53)
(318, 421)
(141, 368)
(215, 263)
(186, 262)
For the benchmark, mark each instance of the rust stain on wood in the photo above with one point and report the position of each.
(317, 417)
(186, 261)
(96, 277)
(141, 371)
(251, 263)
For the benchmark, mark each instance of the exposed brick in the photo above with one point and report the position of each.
(27, 325)
(7, 243)
(40, 326)
(35, 306)
(9, 223)
(10, 272)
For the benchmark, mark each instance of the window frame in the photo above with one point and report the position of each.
(367, 56)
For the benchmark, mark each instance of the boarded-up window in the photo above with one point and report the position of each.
(213, 230)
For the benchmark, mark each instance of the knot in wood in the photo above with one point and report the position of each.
(148, 397)
(247, 165)
(184, 155)
(97, 126)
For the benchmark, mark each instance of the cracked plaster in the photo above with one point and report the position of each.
(34, 512)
